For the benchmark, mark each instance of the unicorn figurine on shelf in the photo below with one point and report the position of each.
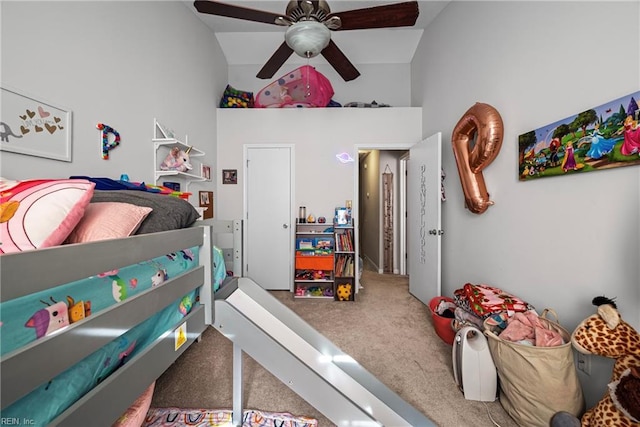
(177, 160)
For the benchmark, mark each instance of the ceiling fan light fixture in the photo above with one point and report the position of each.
(307, 38)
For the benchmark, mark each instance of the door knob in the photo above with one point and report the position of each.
(285, 225)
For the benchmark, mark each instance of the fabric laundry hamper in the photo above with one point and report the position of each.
(536, 382)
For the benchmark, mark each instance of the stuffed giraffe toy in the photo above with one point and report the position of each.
(606, 334)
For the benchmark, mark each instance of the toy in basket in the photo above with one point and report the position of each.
(302, 87)
(536, 371)
(234, 98)
(442, 314)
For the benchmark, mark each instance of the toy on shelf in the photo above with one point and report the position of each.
(315, 291)
(302, 87)
(177, 160)
(343, 291)
(234, 98)
(606, 334)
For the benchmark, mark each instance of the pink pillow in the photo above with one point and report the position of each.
(108, 220)
(136, 414)
(41, 213)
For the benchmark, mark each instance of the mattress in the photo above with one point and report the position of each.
(26, 319)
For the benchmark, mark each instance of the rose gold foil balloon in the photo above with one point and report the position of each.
(483, 122)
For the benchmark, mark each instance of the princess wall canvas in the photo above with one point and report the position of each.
(603, 137)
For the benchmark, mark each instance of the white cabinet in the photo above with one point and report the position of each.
(163, 142)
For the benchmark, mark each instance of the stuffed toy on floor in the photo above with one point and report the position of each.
(606, 334)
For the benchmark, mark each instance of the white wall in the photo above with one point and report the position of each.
(119, 63)
(318, 134)
(557, 242)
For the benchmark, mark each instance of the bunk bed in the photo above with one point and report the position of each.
(89, 318)
(89, 324)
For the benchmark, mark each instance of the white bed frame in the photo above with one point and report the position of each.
(33, 271)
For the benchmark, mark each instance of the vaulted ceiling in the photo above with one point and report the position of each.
(244, 42)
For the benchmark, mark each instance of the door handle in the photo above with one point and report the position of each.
(285, 225)
(436, 232)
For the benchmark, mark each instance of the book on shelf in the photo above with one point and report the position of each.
(345, 241)
(344, 265)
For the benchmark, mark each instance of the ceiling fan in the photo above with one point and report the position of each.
(309, 24)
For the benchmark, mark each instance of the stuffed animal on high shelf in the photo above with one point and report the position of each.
(177, 160)
(606, 334)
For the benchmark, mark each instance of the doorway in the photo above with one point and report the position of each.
(382, 209)
(419, 197)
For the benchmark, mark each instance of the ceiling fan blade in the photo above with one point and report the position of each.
(232, 11)
(275, 62)
(339, 61)
(385, 16)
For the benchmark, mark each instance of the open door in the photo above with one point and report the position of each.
(424, 221)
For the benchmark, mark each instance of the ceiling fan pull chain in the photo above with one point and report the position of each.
(308, 84)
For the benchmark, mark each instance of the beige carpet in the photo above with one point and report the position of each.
(388, 331)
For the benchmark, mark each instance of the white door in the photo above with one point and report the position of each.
(268, 231)
(424, 222)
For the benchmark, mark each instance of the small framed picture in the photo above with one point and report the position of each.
(206, 202)
(342, 217)
(229, 176)
(205, 172)
(204, 198)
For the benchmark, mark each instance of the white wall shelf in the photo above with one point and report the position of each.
(172, 142)
(163, 142)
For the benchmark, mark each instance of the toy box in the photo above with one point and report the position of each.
(323, 243)
(304, 244)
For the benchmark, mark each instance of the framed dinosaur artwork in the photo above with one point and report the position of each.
(34, 127)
